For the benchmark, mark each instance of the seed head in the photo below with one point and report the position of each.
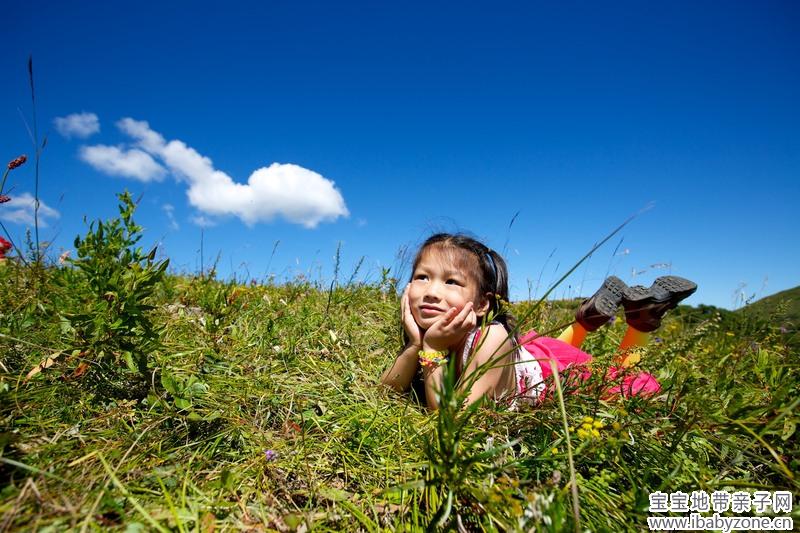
(18, 162)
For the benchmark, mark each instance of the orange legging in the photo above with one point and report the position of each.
(575, 334)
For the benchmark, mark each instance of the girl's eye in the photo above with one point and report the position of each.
(422, 277)
(453, 282)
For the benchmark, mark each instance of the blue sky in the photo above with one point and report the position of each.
(373, 124)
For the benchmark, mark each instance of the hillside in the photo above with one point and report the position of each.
(784, 305)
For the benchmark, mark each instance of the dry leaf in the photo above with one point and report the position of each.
(47, 363)
(208, 523)
(81, 370)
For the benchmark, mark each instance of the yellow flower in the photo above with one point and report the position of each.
(588, 419)
(598, 424)
(554, 451)
(617, 426)
(582, 433)
(595, 433)
(632, 359)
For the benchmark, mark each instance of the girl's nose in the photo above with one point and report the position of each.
(432, 290)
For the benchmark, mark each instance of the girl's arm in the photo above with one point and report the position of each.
(494, 349)
(433, 384)
(496, 380)
(399, 375)
(449, 331)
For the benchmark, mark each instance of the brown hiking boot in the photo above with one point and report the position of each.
(645, 307)
(602, 307)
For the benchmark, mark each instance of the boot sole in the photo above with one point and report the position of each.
(602, 306)
(664, 289)
(613, 292)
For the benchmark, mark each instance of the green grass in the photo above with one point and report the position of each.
(263, 411)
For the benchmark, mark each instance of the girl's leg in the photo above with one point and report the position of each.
(595, 311)
(573, 335)
(644, 309)
(633, 339)
(601, 307)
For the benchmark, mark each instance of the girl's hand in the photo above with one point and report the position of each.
(450, 329)
(413, 330)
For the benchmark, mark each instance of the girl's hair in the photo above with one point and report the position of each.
(485, 266)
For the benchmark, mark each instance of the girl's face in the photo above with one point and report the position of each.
(437, 284)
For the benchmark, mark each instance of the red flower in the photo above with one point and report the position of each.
(18, 162)
(4, 198)
(4, 246)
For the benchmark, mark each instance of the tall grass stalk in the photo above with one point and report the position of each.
(37, 157)
(573, 480)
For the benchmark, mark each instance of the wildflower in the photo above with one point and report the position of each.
(270, 455)
(617, 426)
(582, 433)
(595, 434)
(554, 451)
(4, 198)
(598, 424)
(588, 419)
(18, 162)
(5, 246)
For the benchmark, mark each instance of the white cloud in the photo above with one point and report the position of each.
(203, 222)
(20, 210)
(169, 209)
(131, 163)
(288, 191)
(79, 125)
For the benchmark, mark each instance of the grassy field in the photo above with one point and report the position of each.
(131, 399)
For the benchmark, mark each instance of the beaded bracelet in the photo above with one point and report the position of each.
(433, 359)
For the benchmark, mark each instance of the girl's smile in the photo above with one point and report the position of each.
(430, 310)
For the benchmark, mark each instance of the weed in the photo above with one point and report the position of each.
(111, 332)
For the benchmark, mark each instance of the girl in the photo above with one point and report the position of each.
(456, 281)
